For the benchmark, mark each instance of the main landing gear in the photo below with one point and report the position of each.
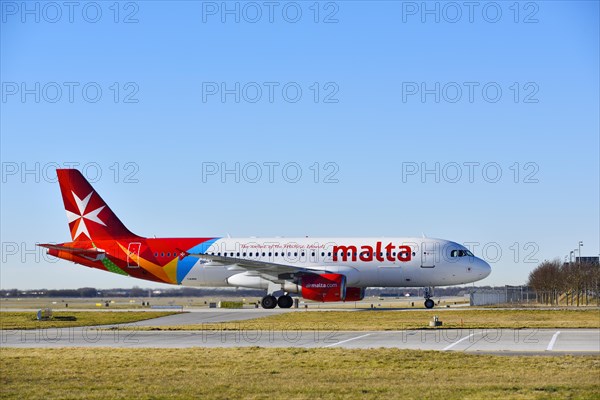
(270, 301)
(427, 293)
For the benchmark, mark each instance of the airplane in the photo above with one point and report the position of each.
(320, 269)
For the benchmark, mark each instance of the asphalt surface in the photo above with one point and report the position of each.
(495, 341)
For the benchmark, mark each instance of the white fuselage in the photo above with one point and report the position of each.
(366, 262)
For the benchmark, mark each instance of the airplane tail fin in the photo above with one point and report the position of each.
(89, 216)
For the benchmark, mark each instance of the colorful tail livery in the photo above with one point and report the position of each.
(318, 269)
(88, 215)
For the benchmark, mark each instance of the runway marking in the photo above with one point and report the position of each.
(457, 342)
(552, 341)
(347, 340)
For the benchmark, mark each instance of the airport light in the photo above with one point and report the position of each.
(579, 247)
(571, 257)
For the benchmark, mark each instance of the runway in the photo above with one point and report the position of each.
(495, 341)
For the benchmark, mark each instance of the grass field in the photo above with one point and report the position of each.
(27, 320)
(290, 374)
(331, 320)
(395, 320)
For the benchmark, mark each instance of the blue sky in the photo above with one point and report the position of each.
(373, 92)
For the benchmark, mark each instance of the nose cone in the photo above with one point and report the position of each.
(482, 268)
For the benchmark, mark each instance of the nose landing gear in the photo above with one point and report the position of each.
(428, 293)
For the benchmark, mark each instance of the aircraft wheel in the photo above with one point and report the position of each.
(285, 301)
(429, 303)
(268, 302)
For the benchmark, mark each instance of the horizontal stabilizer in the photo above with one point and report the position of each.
(74, 250)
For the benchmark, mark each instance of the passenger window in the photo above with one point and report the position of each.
(155, 254)
(302, 254)
(162, 254)
(295, 254)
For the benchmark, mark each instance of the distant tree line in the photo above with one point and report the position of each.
(571, 283)
(81, 292)
(215, 292)
(130, 292)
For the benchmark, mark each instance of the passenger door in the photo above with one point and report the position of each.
(428, 254)
(133, 255)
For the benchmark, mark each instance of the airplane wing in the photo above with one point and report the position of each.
(74, 250)
(271, 271)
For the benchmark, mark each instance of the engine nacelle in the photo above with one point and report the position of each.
(324, 288)
(355, 293)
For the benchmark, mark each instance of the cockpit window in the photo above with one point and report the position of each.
(461, 253)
